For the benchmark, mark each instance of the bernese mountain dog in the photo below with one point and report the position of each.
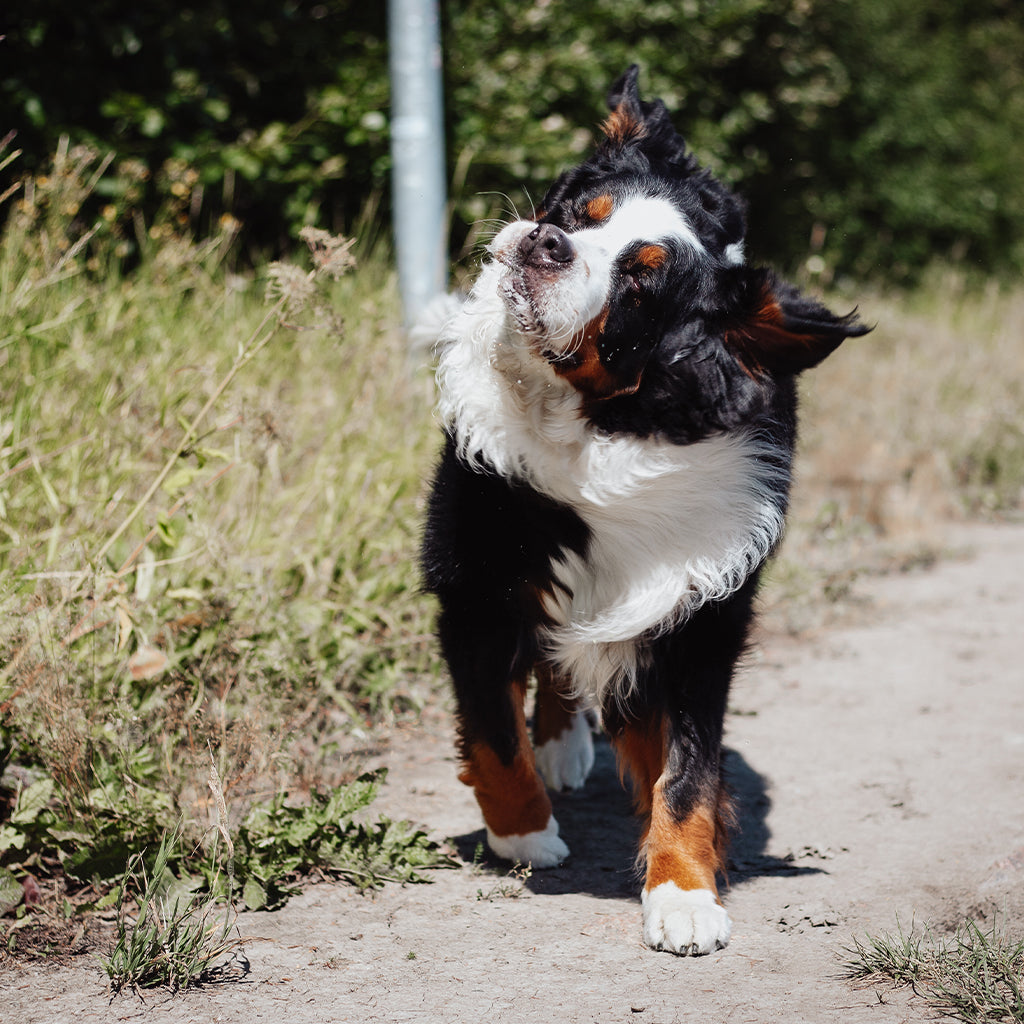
(618, 393)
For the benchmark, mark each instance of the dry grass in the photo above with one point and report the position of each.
(913, 427)
(206, 520)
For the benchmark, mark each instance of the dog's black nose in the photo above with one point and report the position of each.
(546, 244)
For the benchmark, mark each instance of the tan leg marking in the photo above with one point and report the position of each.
(555, 709)
(640, 750)
(688, 852)
(684, 852)
(511, 796)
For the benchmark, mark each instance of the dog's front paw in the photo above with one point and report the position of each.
(684, 921)
(565, 761)
(538, 849)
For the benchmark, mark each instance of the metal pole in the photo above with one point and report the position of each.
(417, 152)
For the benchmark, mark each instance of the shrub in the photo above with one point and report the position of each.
(873, 137)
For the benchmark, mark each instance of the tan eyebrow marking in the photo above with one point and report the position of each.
(652, 256)
(600, 207)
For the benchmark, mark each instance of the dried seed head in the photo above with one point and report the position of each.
(331, 253)
(289, 282)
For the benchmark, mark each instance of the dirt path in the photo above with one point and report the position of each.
(880, 773)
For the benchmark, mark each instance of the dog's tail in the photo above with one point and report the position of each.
(425, 335)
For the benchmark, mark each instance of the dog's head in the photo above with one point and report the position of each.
(638, 250)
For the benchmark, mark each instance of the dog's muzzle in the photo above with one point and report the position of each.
(543, 270)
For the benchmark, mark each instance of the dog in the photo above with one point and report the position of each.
(618, 393)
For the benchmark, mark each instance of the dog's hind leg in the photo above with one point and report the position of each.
(503, 774)
(562, 737)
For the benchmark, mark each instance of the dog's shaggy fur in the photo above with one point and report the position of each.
(619, 397)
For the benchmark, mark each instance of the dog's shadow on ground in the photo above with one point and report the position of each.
(598, 824)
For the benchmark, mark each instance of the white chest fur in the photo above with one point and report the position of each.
(672, 526)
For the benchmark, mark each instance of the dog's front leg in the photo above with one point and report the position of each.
(487, 557)
(678, 791)
(682, 911)
(483, 652)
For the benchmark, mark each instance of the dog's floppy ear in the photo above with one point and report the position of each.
(633, 121)
(784, 331)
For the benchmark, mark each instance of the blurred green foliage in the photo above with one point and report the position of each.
(870, 135)
(279, 107)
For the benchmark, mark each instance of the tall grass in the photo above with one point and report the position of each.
(208, 500)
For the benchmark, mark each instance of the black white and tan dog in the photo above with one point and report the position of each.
(619, 397)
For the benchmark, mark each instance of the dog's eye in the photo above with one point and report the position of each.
(639, 270)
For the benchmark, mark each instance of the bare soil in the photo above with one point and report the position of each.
(879, 771)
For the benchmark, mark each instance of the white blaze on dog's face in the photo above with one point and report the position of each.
(559, 285)
(557, 282)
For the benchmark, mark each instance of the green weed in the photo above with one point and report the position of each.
(173, 938)
(976, 976)
(278, 843)
(511, 887)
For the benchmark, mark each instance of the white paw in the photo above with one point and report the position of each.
(565, 762)
(538, 849)
(684, 921)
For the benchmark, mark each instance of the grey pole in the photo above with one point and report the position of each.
(417, 152)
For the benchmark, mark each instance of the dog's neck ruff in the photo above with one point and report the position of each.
(671, 526)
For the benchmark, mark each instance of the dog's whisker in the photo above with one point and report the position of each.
(509, 205)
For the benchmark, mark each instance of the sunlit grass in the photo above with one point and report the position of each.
(166, 936)
(208, 508)
(975, 975)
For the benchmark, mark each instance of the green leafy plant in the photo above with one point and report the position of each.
(277, 843)
(47, 832)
